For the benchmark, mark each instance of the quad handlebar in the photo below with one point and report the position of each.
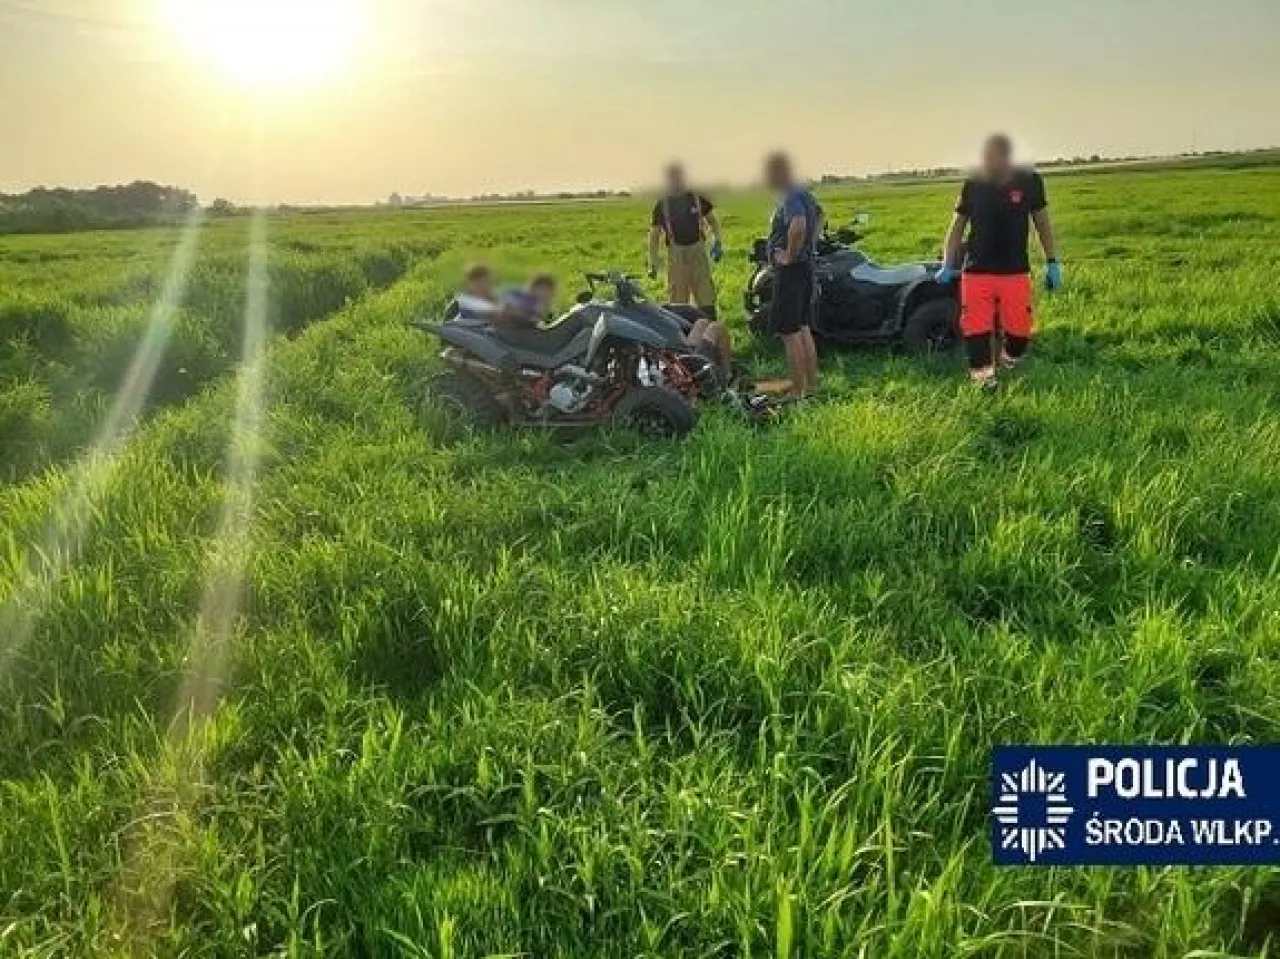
(829, 242)
(626, 288)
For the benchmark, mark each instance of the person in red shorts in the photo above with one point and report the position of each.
(996, 209)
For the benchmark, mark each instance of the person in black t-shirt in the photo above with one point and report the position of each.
(682, 219)
(996, 209)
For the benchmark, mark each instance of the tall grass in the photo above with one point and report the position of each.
(732, 697)
(76, 339)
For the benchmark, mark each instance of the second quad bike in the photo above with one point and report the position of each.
(620, 358)
(860, 302)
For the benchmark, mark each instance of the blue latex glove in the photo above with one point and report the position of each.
(1053, 276)
(717, 250)
(947, 275)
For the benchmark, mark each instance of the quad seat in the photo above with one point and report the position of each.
(869, 272)
(544, 340)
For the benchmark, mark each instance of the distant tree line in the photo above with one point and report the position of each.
(396, 201)
(558, 195)
(61, 210)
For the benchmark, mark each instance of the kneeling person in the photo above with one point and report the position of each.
(710, 339)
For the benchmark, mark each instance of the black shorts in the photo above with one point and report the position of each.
(792, 305)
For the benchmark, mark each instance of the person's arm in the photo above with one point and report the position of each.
(1044, 229)
(655, 244)
(713, 224)
(717, 247)
(1048, 242)
(797, 234)
(708, 213)
(657, 230)
(954, 241)
(1040, 217)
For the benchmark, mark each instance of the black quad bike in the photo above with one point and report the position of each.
(619, 358)
(860, 302)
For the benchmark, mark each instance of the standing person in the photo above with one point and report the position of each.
(683, 218)
(996, 208)
(792, 235)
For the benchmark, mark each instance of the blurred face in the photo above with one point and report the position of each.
(545, 296)
(481, 284)
(777, 172)
(675, 180)
(997, 158)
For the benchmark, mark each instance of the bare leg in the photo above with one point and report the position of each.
(717, 334)
(797, 363)
(811, 360)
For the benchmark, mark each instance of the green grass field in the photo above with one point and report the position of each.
(289, 675)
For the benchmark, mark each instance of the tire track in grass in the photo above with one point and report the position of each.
(84, 357)
(146, 900)
(171, 787)
(37, 569)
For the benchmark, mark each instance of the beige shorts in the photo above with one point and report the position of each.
(689, 275)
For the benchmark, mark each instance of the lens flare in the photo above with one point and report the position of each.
(148, 878)
(207, 656)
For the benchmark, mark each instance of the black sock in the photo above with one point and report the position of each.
(978, 349)
(1016, 346)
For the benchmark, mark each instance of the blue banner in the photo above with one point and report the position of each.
(1135, 805)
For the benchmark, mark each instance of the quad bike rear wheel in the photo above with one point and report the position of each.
(656, 413)
(464, 399)
(932, 328)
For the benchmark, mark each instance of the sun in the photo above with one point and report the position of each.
(267, 43)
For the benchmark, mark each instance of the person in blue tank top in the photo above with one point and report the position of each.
(793, 233)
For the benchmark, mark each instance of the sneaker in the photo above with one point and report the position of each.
(985, 380)
(990, 385)
(1008, 362)
(759, 409)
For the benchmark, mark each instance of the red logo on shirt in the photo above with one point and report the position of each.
(1015, 196)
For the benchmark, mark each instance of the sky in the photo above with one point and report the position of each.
(458, 97)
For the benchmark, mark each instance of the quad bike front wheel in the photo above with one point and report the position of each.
(463, 400)
(656, 413)
(932, 328)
